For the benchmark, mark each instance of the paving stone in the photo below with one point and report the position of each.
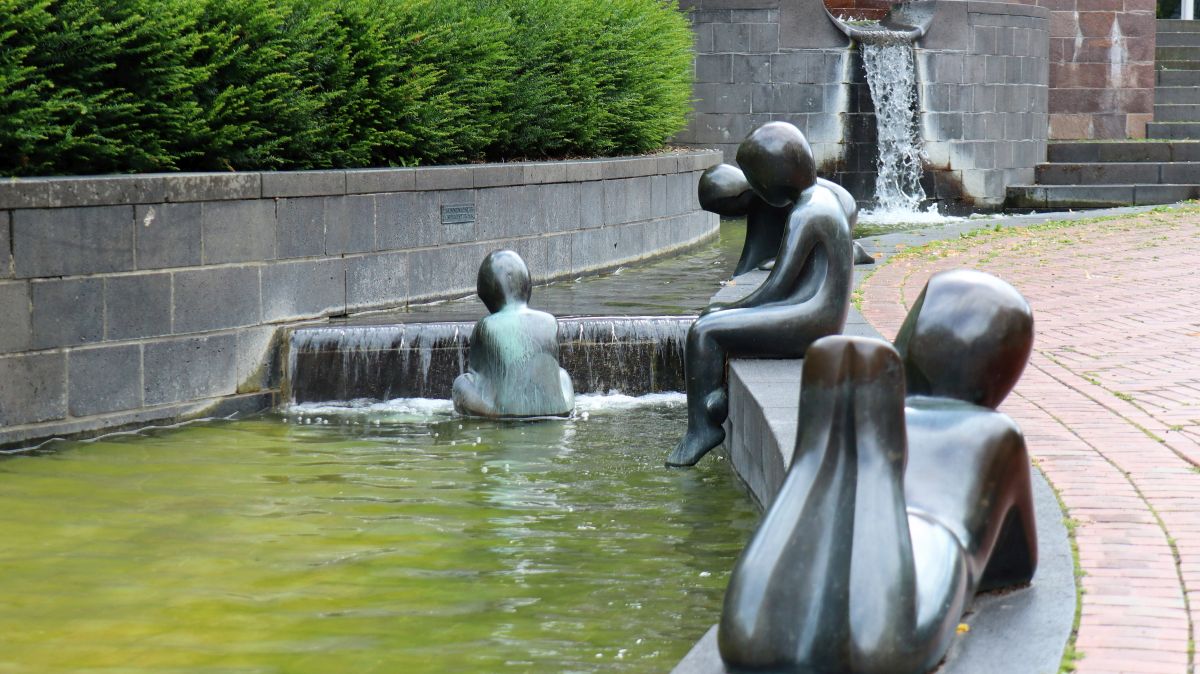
(168, 235)
(16, 329)
(35, 388)
(294, 290)
(67, 312)
(303, 183)
(238, 231)
(349, 224)
(300, 227)
(70, 241)
(137, 306)
(190, 368)
(104, 379)
(216, 299)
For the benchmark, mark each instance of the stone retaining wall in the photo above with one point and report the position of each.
(126, 300)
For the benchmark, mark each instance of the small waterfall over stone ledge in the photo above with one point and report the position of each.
(892, 77)
(632, 354)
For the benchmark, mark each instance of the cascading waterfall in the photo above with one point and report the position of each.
(632, 354)
(892, 78)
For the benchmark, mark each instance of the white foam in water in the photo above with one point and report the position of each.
(408, 410)
(929, 216)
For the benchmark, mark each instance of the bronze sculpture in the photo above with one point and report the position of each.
(891, 517)
(723, 190)
(514, 368)
(805, 297)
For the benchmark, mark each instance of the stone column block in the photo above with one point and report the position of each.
(16, 329)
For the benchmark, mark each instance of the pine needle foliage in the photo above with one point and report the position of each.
(113, 86)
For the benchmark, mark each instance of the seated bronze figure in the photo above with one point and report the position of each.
(896, 510)
(724, 190)
(805, 297)
(513, 370)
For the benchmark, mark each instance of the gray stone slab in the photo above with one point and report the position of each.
(504, 212)
(714, 68)
(138, 306)
(306, 289)
(583, 171)
(591, 204)
(367, 181)
(626, 200)
(213, 186)
(444, 272)
(374, 281)
(16, 328)
(498, 175)
(544, 172)
(104, 379)
(23, 193)
(445, 178)
(70, 241)
(349, 224)
(105, 190)
(303, 183)
(300, 227)
(190, 368)
(458, 232)
(6, 265)
(67, 312)
(167, 235)
(408, 220)
(35, 388)
(215, 299)
(259, 359)
(238, 231)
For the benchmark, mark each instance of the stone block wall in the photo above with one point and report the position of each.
(983, 75)
(1101, 68)
(126, 300)
(981, 68)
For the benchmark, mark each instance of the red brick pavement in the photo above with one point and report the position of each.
(1110, 407)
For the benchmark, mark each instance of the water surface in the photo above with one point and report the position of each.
(389, 539)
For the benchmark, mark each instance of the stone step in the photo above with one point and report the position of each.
(1118, 173)
(1177, 95)
(1177, 112)
(1177, 26)
(1177, 78)
(1168, 64)
(1177, 53)
(1088, 151)
(1060, 197)
(1173, 130)
(1188, 39)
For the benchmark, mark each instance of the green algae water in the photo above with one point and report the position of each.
(385, 538)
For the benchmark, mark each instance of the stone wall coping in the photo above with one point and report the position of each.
(1012, 8)
(155, 188)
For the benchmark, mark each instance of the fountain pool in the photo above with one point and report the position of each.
(358, 538)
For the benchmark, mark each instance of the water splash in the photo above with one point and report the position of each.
(892, 78)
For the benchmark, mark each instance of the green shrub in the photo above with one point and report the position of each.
(96, 86)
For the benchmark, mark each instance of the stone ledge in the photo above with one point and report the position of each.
(63, 192)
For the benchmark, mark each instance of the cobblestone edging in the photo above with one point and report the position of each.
(132, 299)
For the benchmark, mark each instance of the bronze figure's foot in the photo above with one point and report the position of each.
(695, 444)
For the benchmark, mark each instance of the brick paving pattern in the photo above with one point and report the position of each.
(1110, 407)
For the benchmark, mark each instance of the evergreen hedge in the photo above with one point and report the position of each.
(104, 86)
